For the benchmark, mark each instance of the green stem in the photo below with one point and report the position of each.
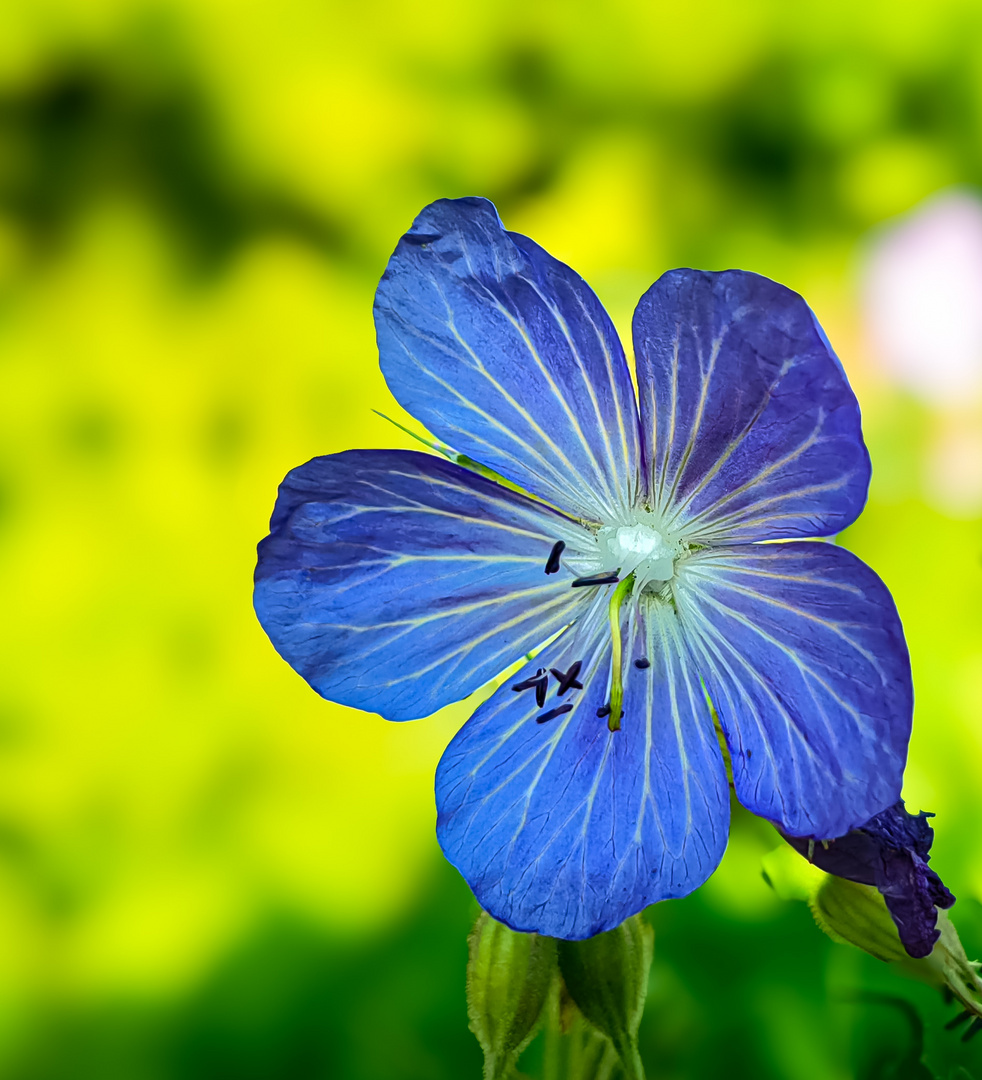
(616, 655)
(607, 1064)
(587, 1058)
(574, 1046)
(552, 1054)
(631, 1061)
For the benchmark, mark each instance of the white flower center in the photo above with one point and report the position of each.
(639, 549)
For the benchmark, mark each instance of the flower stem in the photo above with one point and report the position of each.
(631, 1061)
(552, 1055)
(607, 1064)
(589, 1051)
(616, 655)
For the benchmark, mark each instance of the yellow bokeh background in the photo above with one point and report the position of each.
(197, 198)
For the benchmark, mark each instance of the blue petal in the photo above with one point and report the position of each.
(567, 829)
(805, 660)
(507, 355)
(891, 851)
(754, 431)
(398, 582)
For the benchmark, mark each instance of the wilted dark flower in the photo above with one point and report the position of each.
(890, 851)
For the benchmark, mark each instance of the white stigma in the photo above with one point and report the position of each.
(639, 549)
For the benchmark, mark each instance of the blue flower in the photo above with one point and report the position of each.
(890, 851)
(592, 783)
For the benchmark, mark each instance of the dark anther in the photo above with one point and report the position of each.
(553, 713)
(597, 579)
(569, 680)
(642, 663)
(530, 682)
(960, 1019)
(540, 680)
(552, 563)
(603, 711)
(973, 1030)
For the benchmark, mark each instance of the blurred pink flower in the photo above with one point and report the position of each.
(922, 298)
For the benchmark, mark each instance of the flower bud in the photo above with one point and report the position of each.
(857, 914)
(508, 979)
(607, 978)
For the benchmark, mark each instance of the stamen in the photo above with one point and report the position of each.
(603, 711)
(607, 578)
(553, 713)
(568, 681)
(530, 682)
(642, 663)
(961, 1018)
(540, 680)
(616, 676)
(552, 563)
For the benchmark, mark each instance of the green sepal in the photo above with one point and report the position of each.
(949, 966)
(856, 914)
(508, 979)
(607, 978)
(462, 460)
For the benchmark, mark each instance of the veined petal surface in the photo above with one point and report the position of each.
(752, 430)
(507, 355)
(565, 828)
(804, 658)
(398, 582)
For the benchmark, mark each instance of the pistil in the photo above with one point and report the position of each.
(616, 653)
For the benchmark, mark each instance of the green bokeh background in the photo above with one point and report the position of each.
(207, 871)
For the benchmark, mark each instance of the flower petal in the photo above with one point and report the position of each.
(755, 432)
(398, 582)
(507, 355)
(564, 828)
(804, 657)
